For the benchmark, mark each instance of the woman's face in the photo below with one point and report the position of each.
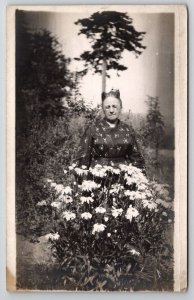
(112, 108)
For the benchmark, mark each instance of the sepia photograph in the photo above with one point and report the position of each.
(97, 143)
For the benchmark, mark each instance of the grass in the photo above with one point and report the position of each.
(163, 172)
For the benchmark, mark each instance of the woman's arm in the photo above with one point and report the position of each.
(136, 156)
(84, 153)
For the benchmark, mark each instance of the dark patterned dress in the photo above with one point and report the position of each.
(104, 145)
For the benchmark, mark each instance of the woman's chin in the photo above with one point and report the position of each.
(112, 119)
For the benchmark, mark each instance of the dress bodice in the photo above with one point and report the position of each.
(105, 145)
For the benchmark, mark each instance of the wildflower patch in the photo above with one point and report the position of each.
(109, 223)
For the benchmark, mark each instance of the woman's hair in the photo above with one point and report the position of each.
(113, 93)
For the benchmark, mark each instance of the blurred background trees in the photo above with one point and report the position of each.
(153, 130)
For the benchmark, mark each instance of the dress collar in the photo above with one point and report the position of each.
(107, 124)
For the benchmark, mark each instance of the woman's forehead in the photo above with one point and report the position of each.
(111, 101)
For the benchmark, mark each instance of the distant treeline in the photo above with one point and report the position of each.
(138, 122)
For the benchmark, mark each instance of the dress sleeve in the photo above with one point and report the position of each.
(136, 156)
(84, 153)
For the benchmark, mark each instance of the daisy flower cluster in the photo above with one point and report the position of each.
(107, 197)
(107, 213)
(60, 188)
(89, 185)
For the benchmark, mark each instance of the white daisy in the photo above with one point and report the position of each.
(68, 215)
(89, 185)
(86, 215)
(116, 211)
(67, 199)
(67, 190)
(56, 205)
(81, 172)
(131, 213)
(86, 199)
(149, 204)
(98, 228)
(59, 188)
(100, 210)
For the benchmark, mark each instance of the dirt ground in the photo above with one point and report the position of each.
(36, 268)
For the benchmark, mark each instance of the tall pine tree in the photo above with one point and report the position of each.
(110, 33)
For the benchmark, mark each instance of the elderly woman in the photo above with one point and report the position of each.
(110, 141)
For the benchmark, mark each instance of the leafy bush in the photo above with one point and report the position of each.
(109, 229)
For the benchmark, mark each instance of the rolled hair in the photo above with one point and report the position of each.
(113, 93)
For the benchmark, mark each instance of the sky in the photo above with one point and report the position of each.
(152, 73)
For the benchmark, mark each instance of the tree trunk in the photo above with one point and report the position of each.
(104, 66)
